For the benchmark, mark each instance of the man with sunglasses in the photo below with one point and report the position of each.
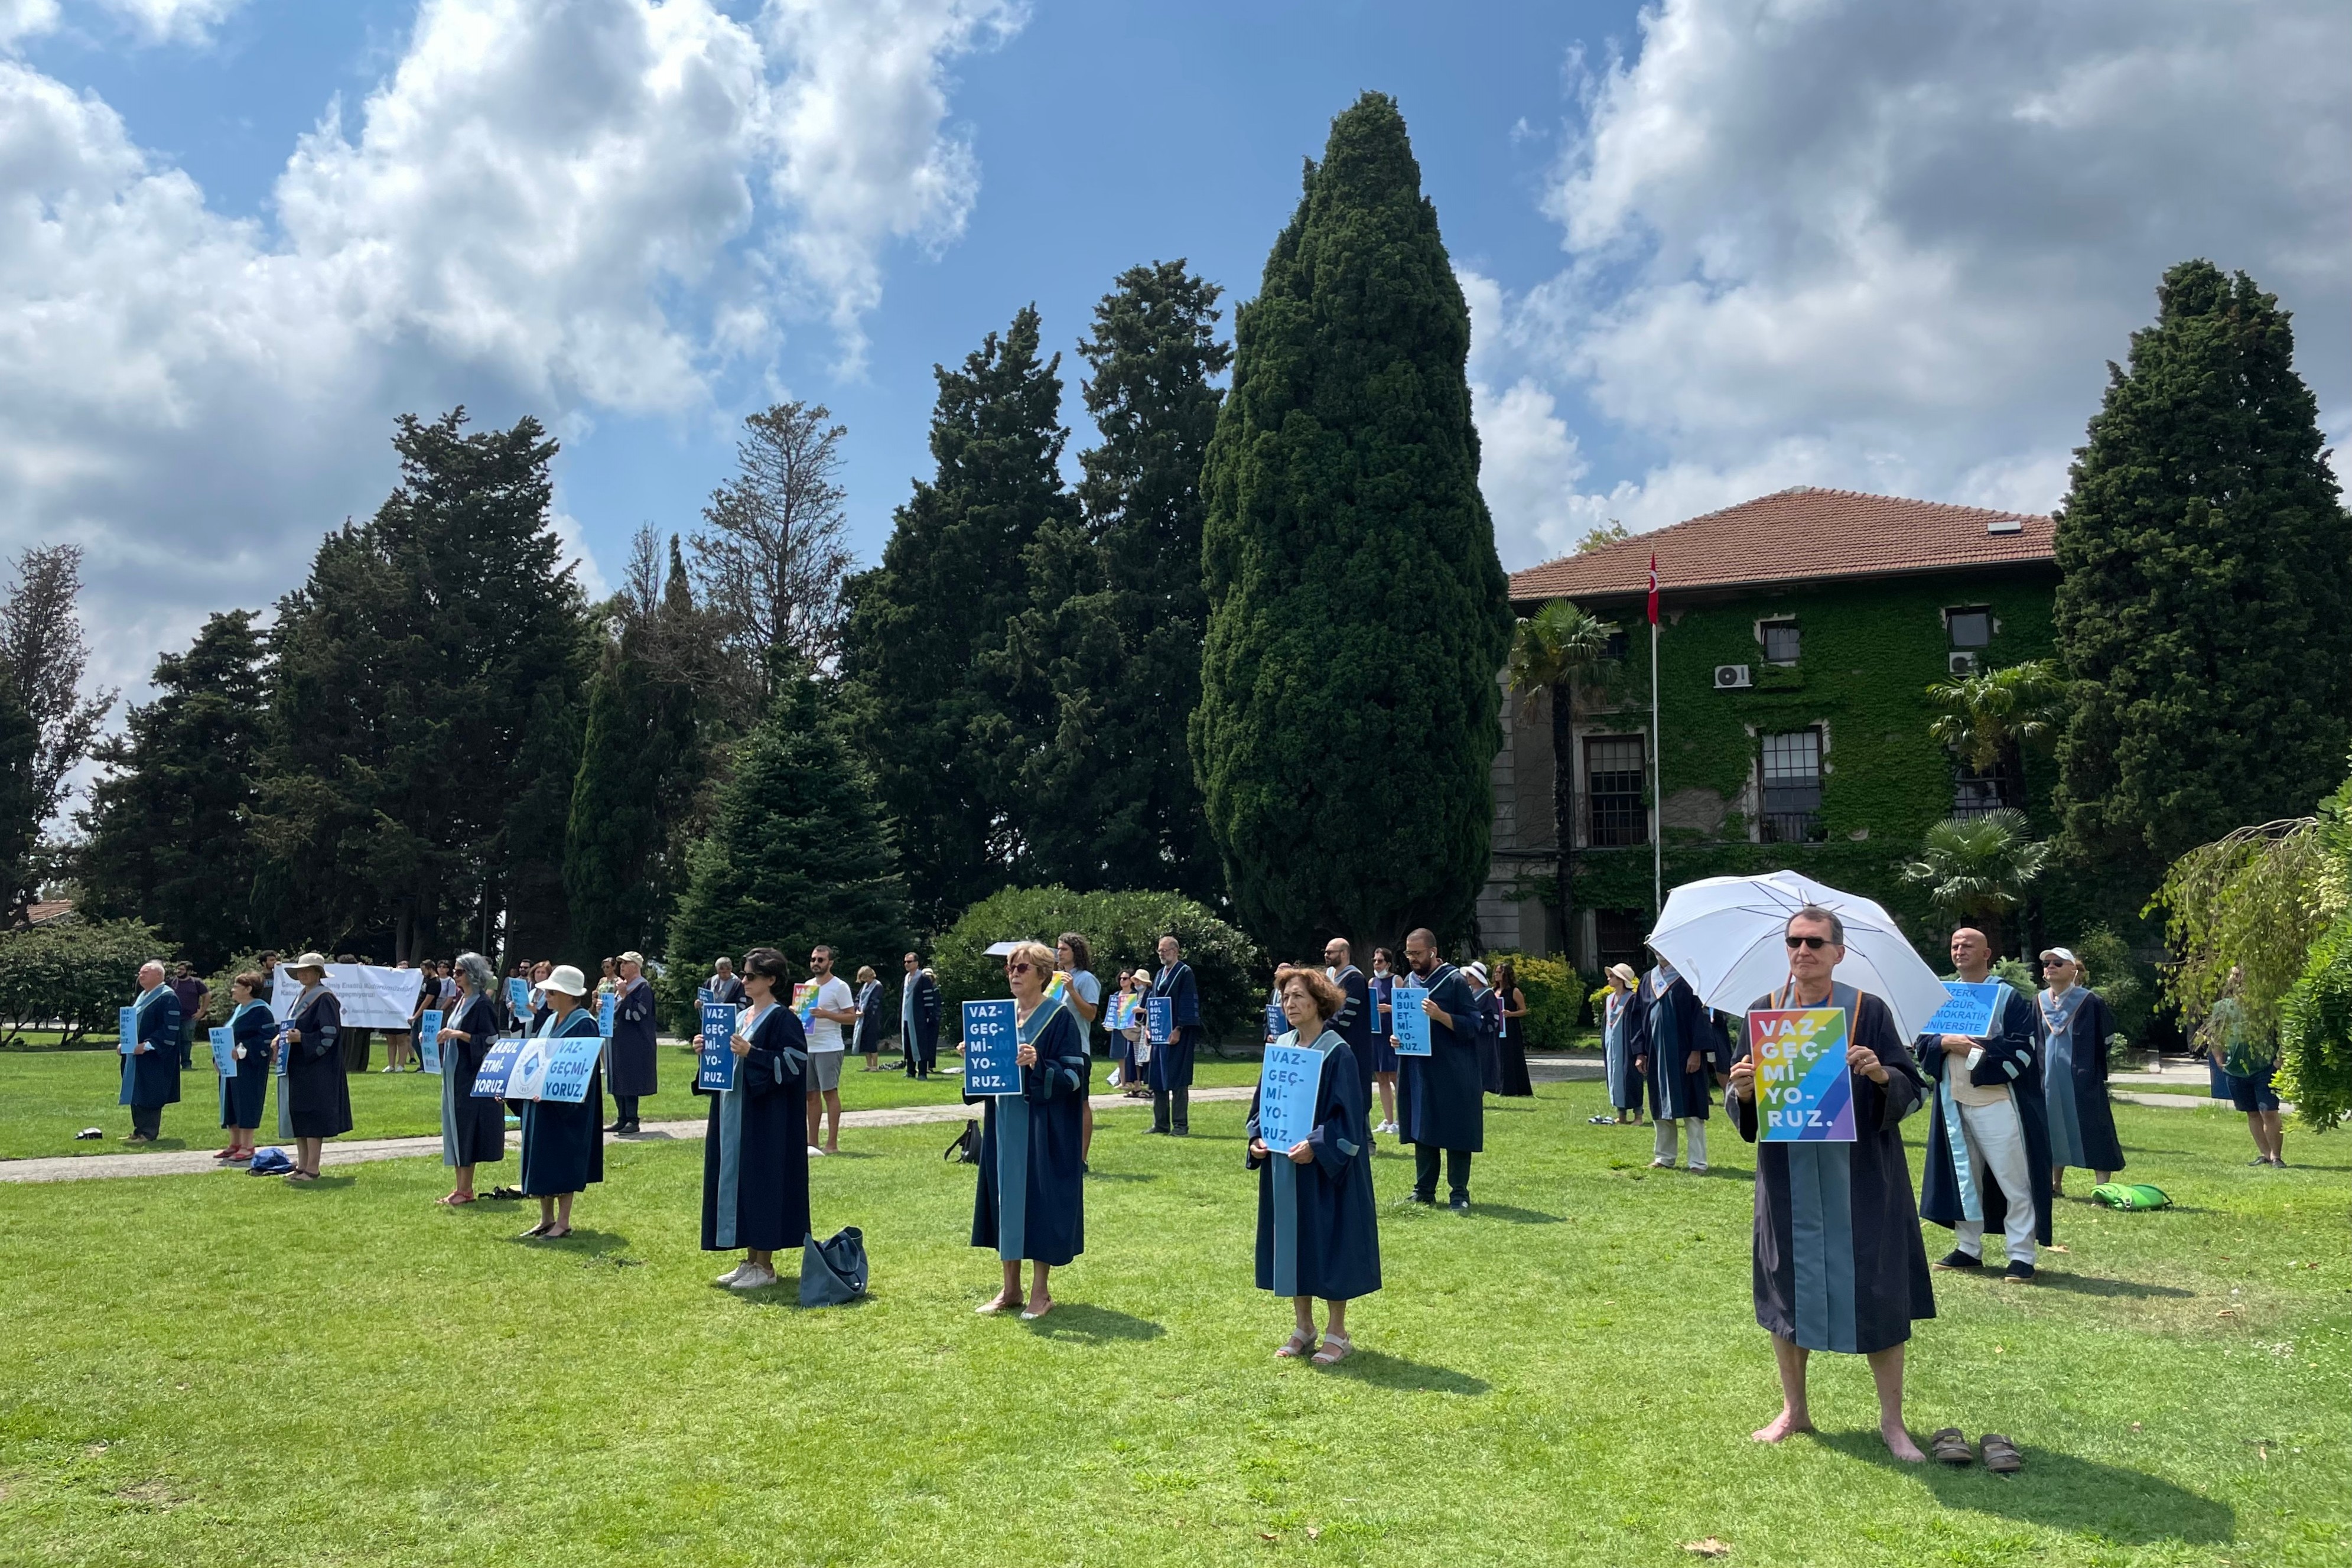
(1989, 1141)
(1839, 1265)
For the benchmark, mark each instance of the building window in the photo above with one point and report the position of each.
(1781, 642)
(1792, 787)
(1977, 794)
(1614, 777)
(1618, 647)
(1618, 935)
(1971, 628)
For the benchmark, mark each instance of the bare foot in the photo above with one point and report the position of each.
(1899, 1444)
(1003, 1301)
(1780, 1426)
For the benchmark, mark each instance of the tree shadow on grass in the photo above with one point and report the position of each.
(1078, 1321)
(2099, 1285)
(2059, 1492)
(1121, 1176)
(1510, 1215)
(1378, 1370)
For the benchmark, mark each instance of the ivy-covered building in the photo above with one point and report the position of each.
(1799, 634)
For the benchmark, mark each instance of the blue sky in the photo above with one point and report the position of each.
(1712, 248)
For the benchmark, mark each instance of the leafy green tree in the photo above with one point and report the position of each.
(954, 572)
(77, 972)
(167, 825)
(1978, 869)
(1104, 666)
(425, 710)
(2204, 613)
(1988, 718)
(799, 854)
(1550, 650)
(1359, 617)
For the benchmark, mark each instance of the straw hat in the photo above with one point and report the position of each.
(1625, 971)
(566, 979)
(317, 961)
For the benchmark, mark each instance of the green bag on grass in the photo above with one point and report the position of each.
(2130, 1195)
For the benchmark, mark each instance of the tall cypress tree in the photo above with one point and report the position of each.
(20, 791)
(168, 839)
(1105, 665)
(2205, 607)
(953, 573)
(799, 853)
(1359, 617)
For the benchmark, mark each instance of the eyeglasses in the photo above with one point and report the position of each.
(1018, 968)
(1815, 943)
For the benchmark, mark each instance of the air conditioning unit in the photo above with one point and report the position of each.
(1732, 678)
(1963, 662)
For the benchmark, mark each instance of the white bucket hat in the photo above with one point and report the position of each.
(566, 979)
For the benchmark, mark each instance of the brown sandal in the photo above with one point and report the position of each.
(2000, 1455)
(1950, 1446)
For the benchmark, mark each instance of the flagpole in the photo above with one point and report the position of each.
(1657, 759)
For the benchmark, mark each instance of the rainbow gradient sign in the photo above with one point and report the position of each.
(1802, 1085)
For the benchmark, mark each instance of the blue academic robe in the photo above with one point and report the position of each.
(919, 1022)
(1031, 1197)
(1839, 1265)
(1625, 1085)
(1317, 1224)
(755, 1179)
(1171, 1066)
(631, 1058)
(1380, 992)
(1490, 1045)
(1668, 1025)
(1354, 1023)
(152, 1077)
(1440, 1098)
(243, 1093)
(868, 1041)
(1950, 1190)
(563, 1145)
(1511, 1050)
(314, 1097)
(473, 1132)
(2074, 1081)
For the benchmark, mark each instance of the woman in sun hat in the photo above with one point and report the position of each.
(564, 1143)
(2075, 1027)
(1617, 1047)
(314, 1099)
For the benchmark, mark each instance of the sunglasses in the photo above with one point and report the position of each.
(1815, 943)
(1018, 968)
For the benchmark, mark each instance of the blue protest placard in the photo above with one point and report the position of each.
(428, 1039)
(1286, 1083)
(571, 1064)
(126, 1020)
(1277, 1024)
(714, 1066)
(1802, 1084)
(1969, 1013)
(224, 1051)
(498, 1065)
(1159, 1020)
(530, 1069)
(1411, 1024)
(991, 1039)
(604, 1007)
(519, 997)
(280, 1051)
(1373, 999)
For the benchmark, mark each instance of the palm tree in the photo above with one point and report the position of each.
(1549, 649)
(1978, 869)
(1990, 719)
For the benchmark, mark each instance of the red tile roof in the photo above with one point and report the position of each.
(1794, 536)
(43, 913)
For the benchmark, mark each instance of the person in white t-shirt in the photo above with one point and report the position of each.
(835, 1005)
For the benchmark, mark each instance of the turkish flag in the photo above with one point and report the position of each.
(1653, 588)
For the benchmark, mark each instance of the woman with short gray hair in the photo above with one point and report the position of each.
(472, 1130)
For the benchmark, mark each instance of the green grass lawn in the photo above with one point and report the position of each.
(47, 1096)
(210, 1369)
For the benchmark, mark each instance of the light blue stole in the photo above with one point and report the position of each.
(1286, 1183)
(1821, 1220)
(1948, 1106)
(2058, 1014)
(229, 1079)
(129, 1073)
(1012, 1149)
(286, 1112)
(730, 1133)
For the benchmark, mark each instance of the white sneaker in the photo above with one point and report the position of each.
(732, 1275)
(752, 1279)
(816, 1153)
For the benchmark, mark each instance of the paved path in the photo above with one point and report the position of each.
(360, 1151)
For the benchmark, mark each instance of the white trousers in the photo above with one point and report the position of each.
(1666, 1139)
(1996, 1139)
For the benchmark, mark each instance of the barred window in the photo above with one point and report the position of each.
(1791, 775)
(1781, 642)
(1614, 776)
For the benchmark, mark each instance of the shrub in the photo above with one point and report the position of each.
(1555, 995)
(77, 972)
(1124, 929)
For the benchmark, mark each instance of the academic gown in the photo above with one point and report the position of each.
(2074, 1081)
(1512, 1051)
(1440, 1099)
(1489, 1010)
(1031, 1197)
(152, 1077)
(314, 1097)
(1669, 1023)
(631, 1058)
(247, 1091)
(1317, 1224)
(473, 1132)
(1171, 1066)
(1839, 1265)
(755, 1180)
(1354, 1023)
(1617, 1053)
(563, 1145)
(918, 1023)
(869, 1019)
(1950, 1190)
(1380, 990)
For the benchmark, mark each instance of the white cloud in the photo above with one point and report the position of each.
(173, 21)
(559, 207)
(26, 19)
(1832, 242)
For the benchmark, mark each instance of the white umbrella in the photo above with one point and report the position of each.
(1724, 935)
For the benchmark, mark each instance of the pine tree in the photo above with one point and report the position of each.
(799, 854)
(953, 573)
(168, 838)
(1359, 617)
(20, 794)
(2205, 607)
